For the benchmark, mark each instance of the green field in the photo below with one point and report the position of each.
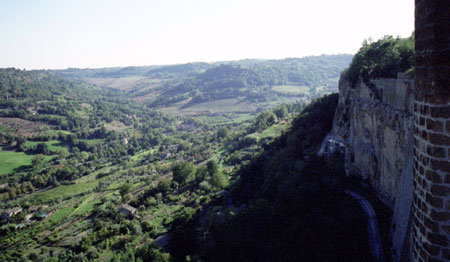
(87, 206)
(92, 142)
(53, 145)
(142, 155)
(294, 90)
(274, 130)
(59, 215)
(11, 160)
(57, 132)
(224, 120)
(233, 105)
(122, 83)
(243, 117)
(271, 131)
(61, 192)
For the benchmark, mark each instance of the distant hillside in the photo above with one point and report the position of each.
(47, 97)
(242, 86)
(181, 70)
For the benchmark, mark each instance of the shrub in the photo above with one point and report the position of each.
(383, 58)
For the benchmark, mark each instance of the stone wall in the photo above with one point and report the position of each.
(431, 227)
(375, 125)
(396, 136)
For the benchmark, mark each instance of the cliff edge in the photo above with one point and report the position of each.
(373, 127)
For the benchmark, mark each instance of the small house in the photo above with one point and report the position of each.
(127, 210)
(11, 212)
(33, 209)
(42, 216)
(164, 155)
(28, 218)
(172, 147)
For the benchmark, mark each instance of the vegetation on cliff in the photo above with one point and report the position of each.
(287, 205)
(381, 59)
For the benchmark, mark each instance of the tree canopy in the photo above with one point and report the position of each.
(381, 59)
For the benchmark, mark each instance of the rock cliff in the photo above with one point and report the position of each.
(373, 128)
(375, 125)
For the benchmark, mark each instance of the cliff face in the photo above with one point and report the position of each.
(375, 125)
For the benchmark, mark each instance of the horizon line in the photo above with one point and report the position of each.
(171, 64)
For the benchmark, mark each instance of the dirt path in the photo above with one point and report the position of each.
(376, 249)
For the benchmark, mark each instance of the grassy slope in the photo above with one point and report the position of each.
(289, 89)
(53, 145)
(11, 160)
(63, 191)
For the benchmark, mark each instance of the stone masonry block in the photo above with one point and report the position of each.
(440, 112)
(436, 151)
(433, 177)
(435, 125)
(440, 216)
(439, 190)
(432, 249)
(441, 165)
(438, 239)
(435, 202)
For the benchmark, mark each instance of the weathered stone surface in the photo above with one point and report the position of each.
(377, 132)
(379, 146)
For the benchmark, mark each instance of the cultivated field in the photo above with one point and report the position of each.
(293, 90)
(22, 127)
(53, 145)
(125, 83)
(11, 160)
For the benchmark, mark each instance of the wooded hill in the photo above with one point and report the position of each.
(249, 85)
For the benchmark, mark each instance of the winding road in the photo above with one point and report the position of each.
(376, 249)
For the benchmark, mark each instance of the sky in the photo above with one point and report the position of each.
(57, 34)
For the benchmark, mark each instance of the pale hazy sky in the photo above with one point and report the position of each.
(43, 34)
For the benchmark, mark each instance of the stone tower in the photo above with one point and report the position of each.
(431, 218)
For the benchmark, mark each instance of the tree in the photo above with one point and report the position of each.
(183, 172)
(20, 141)
(264, 120)
(212, 167)
(164, 185)
(42, 148)
(84, 155)
(219, 180)
(184, 146)
(222, 133)
(281, 111)
(125, 189)
(62, 154)
(383, 58)
(38, 163)
(201, 173)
